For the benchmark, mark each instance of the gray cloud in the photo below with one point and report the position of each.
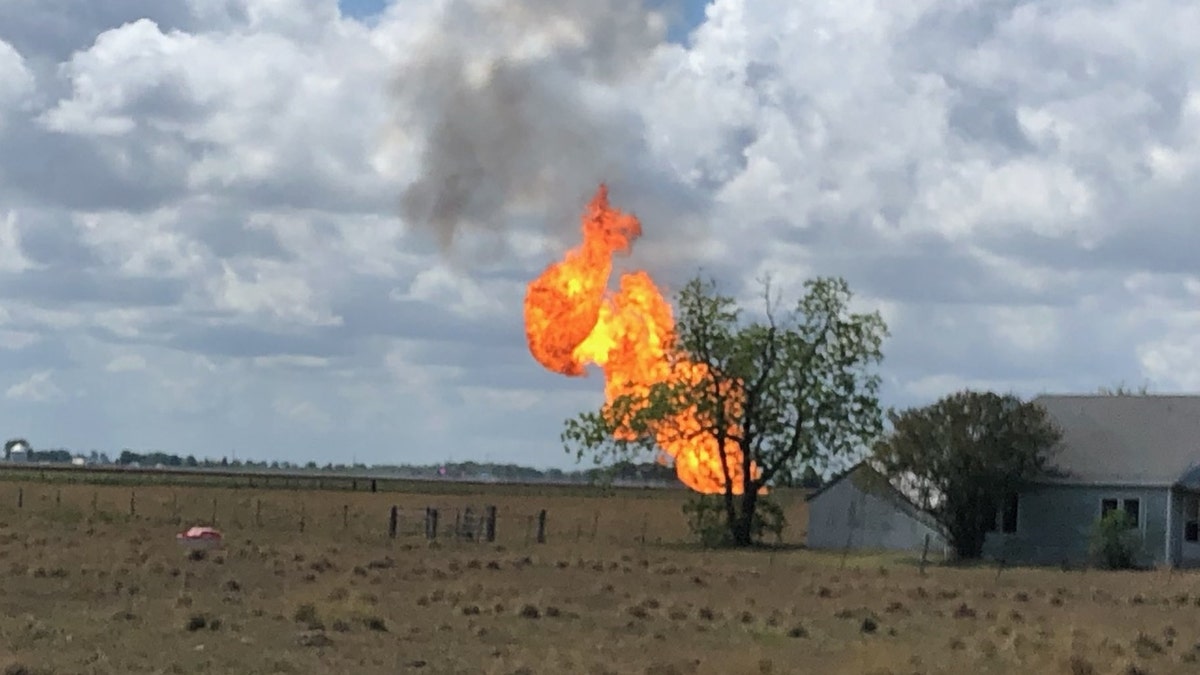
(507, 129)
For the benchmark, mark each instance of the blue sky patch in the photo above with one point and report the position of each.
(690, 16)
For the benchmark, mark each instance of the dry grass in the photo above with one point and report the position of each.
(99, 591)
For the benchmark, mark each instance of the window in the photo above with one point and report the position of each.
(1191, 519)
(992, 517)
(1130, 506)
(1011, 504)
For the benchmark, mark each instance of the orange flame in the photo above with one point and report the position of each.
(572, 320)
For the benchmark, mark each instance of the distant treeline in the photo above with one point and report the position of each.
(622, 472)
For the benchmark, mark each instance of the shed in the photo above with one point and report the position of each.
(861, 510)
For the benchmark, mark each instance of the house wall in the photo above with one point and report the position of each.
(845, 515)
(1054, 524)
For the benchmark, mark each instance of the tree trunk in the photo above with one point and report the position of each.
(741, 526)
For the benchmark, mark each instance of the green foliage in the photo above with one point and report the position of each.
(1115, 541)
(792, 390)
(963, 454)
(706, 521)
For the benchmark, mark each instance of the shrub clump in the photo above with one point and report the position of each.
(1115, 541)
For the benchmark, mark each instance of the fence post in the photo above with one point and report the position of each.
(595, 524)
(132, 503)
(302, 514)
(541, 531)
(214, 512)
(354, 485)
(345, 516)
(58, 497)
(372, 485)
(258, 513)
(393, 522)
(20, 497)
(434, 522)
(489, 527)
(458, 523)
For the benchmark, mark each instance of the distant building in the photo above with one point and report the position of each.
(78, 461)
(16, 450)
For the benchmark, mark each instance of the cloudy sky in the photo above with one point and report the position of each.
(301, 229)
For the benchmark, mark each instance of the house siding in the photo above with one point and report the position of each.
(1055, 522)
(845, 515)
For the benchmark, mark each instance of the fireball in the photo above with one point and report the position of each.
(573, 320)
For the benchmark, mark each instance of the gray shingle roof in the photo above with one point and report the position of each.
(1136, 440)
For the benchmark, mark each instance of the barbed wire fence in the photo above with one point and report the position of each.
(85, 507)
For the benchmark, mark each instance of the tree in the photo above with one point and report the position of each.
(964, 455)
(784, 392)
(12, 443)
(1122, 390)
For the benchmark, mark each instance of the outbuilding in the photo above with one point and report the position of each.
(861, 510)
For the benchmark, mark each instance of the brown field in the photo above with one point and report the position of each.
(88, 588)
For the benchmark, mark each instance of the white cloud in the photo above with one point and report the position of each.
(16, 82)
(37, 388)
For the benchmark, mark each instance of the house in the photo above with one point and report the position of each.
(861, 510)
(1140, 454)
(18, 452)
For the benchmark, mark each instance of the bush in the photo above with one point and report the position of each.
(706, 520)
(1115, 541)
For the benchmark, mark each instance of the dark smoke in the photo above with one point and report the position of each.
(516, 110)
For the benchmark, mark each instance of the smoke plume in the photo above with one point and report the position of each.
(516, 108)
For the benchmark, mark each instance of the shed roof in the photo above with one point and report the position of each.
(1126, 440)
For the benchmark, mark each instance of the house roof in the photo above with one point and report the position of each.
(1126, 440)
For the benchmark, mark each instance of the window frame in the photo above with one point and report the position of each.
(1122, 503)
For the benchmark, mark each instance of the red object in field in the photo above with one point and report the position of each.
(199, 537)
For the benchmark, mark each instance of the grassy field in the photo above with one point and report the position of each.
(89, 588)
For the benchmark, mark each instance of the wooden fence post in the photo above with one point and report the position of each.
(58, 497)
(434, 528)
(489, 528)
(393, 522)
(372, 485)
(595, 524)
(20, 497)
(132, 503)
(541, 527)
(345, 516)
